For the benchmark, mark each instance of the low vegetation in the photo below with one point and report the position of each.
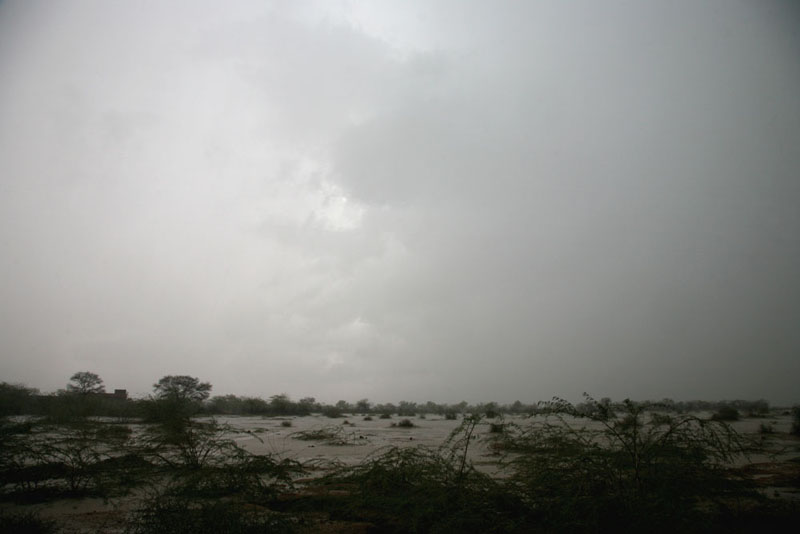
(331, 435)
(625, 467)
(178, 515)
(726, 413)
(404, 423)
(597, 466)
(26, 522)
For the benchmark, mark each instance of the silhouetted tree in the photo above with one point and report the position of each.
(407, 408)
(307, 405)
(281, 404)
(84, 382)
(182, 388)
(177, 398)
(254, 405)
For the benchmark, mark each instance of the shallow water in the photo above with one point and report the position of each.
(263, 435)
(267, 435)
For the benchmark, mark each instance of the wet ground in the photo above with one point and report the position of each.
(354, 439)
(776, 469)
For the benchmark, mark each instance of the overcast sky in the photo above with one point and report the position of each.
(433, 200)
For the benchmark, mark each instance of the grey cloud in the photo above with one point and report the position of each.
(427, 201)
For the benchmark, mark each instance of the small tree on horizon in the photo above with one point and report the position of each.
(177, 398)
(182, 388)
(84, 383)
(363, 406)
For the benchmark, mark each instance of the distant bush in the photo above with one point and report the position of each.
(405, 423)
(496, 428)
(367, 418)
(759, 408)
(726, 413)
(16, 399)
(407, 409)
(450, 416)
(286, 423)
(331, 435)
(386, 415)
(765, 428)
(331, 411)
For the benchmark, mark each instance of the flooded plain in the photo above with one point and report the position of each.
(353, 439)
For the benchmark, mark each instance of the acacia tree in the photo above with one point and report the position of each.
(182, 388)
(176, 399)
(84, 382)
(177, 439)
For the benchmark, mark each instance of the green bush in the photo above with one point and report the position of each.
(42, 460)
(404, 423)
(332, 411)
(244, 476)
(188, 443)
(627, 472)
(417, 490)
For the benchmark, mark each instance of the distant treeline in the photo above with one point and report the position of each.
(18, 399)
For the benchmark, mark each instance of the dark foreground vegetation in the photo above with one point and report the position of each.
(598, 466)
